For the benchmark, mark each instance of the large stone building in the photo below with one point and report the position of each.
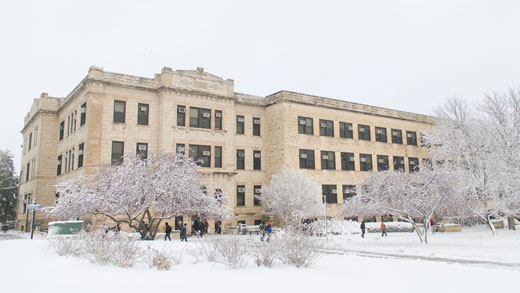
(242, 139)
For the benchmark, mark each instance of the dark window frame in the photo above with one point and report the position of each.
(83, 114)
(346, 130)
(119, 117)
(364, 132)
(349, 191)
(181, 115)
(218, 120)
(241, 196)
(411, 138)
(240, 124)
(306, 158)
(116, 158)
(328, 191)
(201, 119)
(326, 127)
(257, 160)
(328, 163)
(241, 160)
(62, 130)
(143, 116)
(58, 165)
(140, 152)
(257, 190)
(81, 153)
(381, 135)
(383, 163)
(304, 127)
(218, 156)
(196, 152)
(365, 162)
(398, 162)
(256, 126)
(397, 136)
(348, 161)
(413, 164)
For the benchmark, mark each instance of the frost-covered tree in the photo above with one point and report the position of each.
(140, 193)
(290, 196)
(407, 196)
(481, 143)
(8, 187)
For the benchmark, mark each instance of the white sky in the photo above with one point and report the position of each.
(404, 55)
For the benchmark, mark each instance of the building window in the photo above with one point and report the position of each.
(256, 126)
(27, 171)
(381, 134)
(241, 159)
(81, 150)
(29, 143)
(328, 160)
(397, 136)
(200, 118)
(257, 189)
(257, 160)
(141, 150)
(83, 114)
(240, 124)
(58, 169)
(62, 129)
(72, 159)
(413, 164)
(365, 162)
(306, 159)
(218, 120)
(363, 132)
(427, 163)
(180, 148)
(348, 191)
(398, 164)
(202, 153)
(35, 138)
(218, 157)
(181, 115)
(326, 128)
(118, 149)
(119, 111)
(411, 138)
(346, 130)
(305, 125)
(142, 114)
(382, 163)
(330, 193)
(347, 161)
(241, 195)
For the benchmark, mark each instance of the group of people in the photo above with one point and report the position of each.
(266, 229)
(199, 228)
(363, 229)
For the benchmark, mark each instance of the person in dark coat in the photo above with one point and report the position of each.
(262, 228)
(201, 229)
(383, 229)
(168, 232)
(183, 233)
(362, 229)
(206, 227)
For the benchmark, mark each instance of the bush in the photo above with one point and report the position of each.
(161, 259)
(67, 245)
(233, 251)
(264, 254)
(208, 250)
(297, 248)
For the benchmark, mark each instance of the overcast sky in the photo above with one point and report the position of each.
(404, 55)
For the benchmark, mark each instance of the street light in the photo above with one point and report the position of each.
(325, 205)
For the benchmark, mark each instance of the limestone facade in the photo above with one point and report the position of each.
(74, 135)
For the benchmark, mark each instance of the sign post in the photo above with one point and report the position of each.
(33, 207)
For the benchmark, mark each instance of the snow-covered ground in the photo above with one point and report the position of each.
(29, 265)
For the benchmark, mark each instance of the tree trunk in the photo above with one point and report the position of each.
(491, 226)
(417, 230)
(426, 227)
(511, 223)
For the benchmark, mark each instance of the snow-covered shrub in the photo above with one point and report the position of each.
(99, 247)
(233, 251)
(125, 250)
(162, 259)
(69, 245)
(207, 250)
(298, 248)
(264, 254)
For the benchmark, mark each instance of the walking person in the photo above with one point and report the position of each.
(262, 228)
(269, 231)
(168, 232)
(183, 233)
(206, 227)
(383, 229)
(362, 229)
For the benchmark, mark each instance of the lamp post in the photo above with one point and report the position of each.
(325, 205)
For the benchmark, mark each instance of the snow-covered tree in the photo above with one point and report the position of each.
(407, 196)
(140, 193)
(481, 143)
(290, 196)
(8, 187)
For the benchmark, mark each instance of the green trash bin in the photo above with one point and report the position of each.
(65, 227)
